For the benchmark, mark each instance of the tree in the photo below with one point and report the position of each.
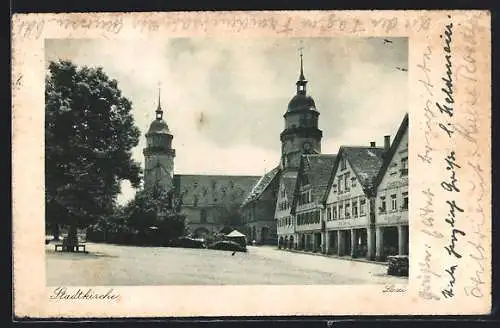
(89, 135)
(158, 208)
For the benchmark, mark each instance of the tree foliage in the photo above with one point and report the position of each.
(159, 209)
(89, 135)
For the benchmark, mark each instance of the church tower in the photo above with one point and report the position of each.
(158, 154)
(301, 134)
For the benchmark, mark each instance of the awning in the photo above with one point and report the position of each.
(235, 233)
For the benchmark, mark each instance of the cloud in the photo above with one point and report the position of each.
(224, 99)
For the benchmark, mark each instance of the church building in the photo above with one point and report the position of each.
(309, 201)
(327, 202)
(269, 204)
(211, 203)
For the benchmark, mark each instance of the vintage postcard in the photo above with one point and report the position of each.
(251, 163)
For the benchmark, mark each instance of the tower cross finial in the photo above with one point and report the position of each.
(301, 78)
(159, 95)
(159, 111)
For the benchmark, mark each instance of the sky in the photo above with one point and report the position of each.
(224, 98)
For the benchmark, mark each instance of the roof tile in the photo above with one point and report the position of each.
(261, 185)
(317, 169)
(366, 163)
(210, 190)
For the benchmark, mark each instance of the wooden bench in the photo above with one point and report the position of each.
(76, 248)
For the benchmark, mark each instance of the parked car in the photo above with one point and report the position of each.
(187, 242)
(226, 245)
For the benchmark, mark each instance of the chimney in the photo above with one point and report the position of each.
(387, 143)
(372, 144)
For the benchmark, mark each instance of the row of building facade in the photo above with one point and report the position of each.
(362, 211)
(353, 203)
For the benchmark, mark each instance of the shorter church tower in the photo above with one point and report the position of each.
(159, 154)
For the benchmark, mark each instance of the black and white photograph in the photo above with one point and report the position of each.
(251, 164)
(220, 161)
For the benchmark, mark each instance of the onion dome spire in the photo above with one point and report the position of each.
(301, 100)
(159, 126)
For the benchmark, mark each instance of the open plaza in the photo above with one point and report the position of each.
(113, 265)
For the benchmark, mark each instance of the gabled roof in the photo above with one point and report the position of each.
(390, 154)
(261, 186)
(364, 161)
(316, 169)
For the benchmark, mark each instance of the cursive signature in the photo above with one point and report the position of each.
(477, 254)
(450, 290)
(426, 275)
(427, 215)
(451, 184)
(448, 88)
(429, 114)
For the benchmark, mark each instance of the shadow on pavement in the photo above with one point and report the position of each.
(78, 256)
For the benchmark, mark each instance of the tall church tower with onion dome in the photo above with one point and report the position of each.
(159, 154)
(301, 134)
